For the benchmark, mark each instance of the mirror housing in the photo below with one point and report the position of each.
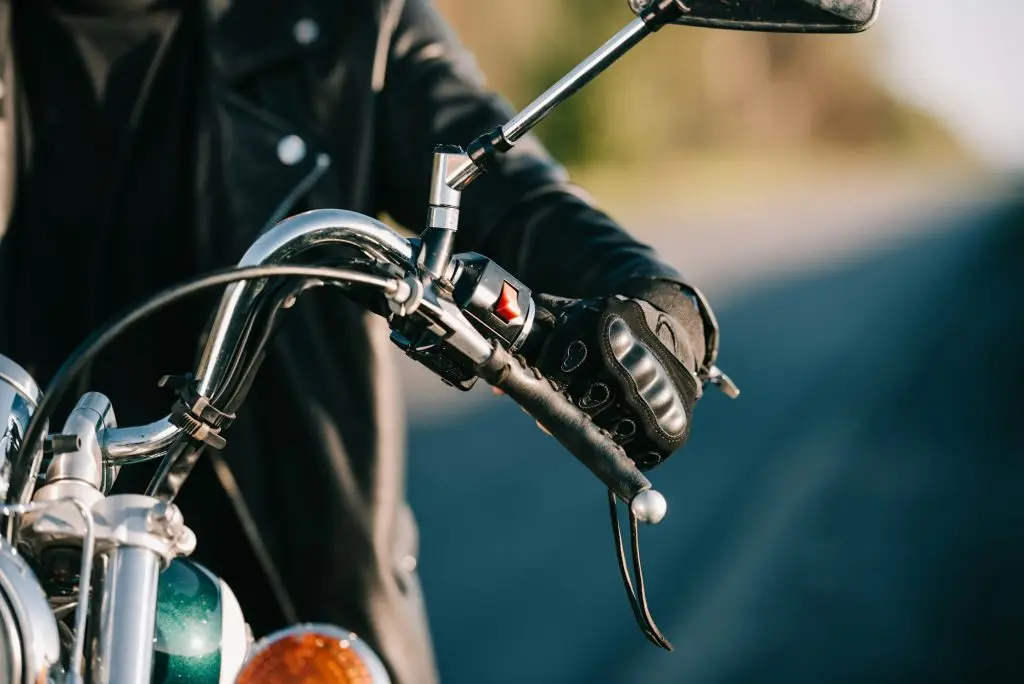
(783, 16)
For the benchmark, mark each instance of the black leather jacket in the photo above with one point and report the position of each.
(370, 86)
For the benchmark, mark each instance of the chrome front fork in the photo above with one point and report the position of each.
(135, 537)
(124, 612)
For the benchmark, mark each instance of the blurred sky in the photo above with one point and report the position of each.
(965, 62)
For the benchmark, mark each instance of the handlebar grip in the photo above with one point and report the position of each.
(574, 430)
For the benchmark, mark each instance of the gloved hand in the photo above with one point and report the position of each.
(630, 361)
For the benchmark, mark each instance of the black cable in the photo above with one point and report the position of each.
(620, 553)
(637, 599)
(102, 337)
(243, 379)
(641, 593)
(252, 534)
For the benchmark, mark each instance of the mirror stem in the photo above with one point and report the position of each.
(481, 150)
(438, 239)
(454, 169)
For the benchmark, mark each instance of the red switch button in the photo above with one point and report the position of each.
(507, 306)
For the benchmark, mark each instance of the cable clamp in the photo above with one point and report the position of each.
(194, 413)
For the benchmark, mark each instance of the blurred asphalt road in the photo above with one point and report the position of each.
(855, 516)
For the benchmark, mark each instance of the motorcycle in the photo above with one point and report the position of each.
(98, 588)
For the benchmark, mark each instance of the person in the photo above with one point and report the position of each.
(149, 140)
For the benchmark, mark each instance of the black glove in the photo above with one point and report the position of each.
(629, 361)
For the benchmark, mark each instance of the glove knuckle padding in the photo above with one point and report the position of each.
(652, 380)
(619, 361)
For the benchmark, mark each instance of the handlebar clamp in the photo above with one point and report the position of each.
(193, 412)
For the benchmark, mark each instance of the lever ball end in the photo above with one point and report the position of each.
(649, 507)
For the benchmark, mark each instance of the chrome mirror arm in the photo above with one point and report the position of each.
(454, 169)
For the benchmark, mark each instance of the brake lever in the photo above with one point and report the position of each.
(638, 598)
(435, 330)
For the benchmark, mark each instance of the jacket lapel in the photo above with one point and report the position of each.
(270, 152)
(266, 163)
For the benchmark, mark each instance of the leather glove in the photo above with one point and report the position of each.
(630, 361)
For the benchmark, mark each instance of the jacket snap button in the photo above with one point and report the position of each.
(291, 149)
(305, 31)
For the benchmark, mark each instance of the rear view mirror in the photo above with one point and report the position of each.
(788, 16)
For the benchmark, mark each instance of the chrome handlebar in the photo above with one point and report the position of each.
(284, 244)
(410, 288)
(135, 535)
(217, 374)
(124, 446)
(424, 308)
(416, 296)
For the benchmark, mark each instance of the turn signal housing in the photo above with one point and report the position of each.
(313, 653)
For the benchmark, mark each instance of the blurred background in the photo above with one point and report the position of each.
(852, 206)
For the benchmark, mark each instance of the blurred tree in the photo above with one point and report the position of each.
(692, 90)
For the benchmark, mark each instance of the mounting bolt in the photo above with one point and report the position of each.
(64, 444)
(165, 519)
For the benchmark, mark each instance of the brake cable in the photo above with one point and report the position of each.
(638, 598)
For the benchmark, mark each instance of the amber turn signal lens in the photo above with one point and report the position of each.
(312, 654)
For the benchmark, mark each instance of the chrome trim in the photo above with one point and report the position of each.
(443, 218)
(10, 645)
(582, 74)
(80, 605)
(19, 396)
(125, 611)
(649, 507)
(531, 314)
(87, 421)
(535, 112)
(127, 445)
(37, 628)
(285, 243)
(19, 378)
(442, 212)
(446, 162)
(240, 305)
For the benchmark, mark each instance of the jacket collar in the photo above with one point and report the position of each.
(247, 36)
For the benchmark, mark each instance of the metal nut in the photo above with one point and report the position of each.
(186, 542)
(165, 519)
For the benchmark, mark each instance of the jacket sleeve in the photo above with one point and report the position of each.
(524, 213)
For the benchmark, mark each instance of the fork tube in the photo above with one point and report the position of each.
(126, 610)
